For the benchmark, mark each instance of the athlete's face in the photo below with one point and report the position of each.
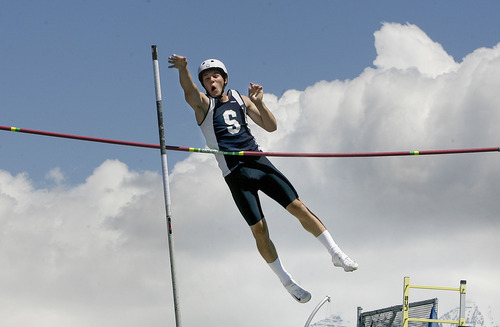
(213, 82)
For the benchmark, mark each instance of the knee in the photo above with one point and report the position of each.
(297, 208)
(259, 230)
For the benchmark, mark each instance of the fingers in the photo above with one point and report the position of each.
(177, 61)
(255, 92)
(174, 57)
(255, 88)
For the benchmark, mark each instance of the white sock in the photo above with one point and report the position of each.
(280, 271)
(327, 240)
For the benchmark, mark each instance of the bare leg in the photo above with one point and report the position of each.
(264, 244)
(268, 252)
(312, 224)
(309, 221)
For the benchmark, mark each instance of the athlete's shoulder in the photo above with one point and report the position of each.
(242, 100)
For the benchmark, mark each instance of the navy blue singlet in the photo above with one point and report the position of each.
(225, 128)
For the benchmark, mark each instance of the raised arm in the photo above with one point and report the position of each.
(257, 110)
(196, 99)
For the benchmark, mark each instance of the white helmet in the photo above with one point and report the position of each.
(211, 64)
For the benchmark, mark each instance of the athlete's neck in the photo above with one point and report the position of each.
(223, 98)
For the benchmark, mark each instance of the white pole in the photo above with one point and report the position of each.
(166, 189)
(326, 299)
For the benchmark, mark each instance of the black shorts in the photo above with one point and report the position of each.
(258, 173)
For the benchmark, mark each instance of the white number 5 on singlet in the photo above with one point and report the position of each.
(233, 125)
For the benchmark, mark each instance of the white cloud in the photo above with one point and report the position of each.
(55, 175)
(96, 253)
(74, 254)
(407, 46)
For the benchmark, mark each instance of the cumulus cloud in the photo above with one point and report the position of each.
(96, 253)
(407, 46)
(71, 254)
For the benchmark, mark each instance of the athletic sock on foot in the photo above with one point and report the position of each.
(297, 292)
(339, 258)
(327, 240)
(280, 271)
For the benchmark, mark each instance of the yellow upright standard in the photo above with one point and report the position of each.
(406, 303)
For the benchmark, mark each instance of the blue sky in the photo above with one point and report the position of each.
(83, 233)
(84, 67)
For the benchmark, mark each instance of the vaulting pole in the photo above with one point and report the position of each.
(166, 188)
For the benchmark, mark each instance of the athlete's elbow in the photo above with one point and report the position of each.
(271, 128)
(268, 126)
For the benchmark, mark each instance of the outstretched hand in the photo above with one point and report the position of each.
(177, 61)
(255, 92)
